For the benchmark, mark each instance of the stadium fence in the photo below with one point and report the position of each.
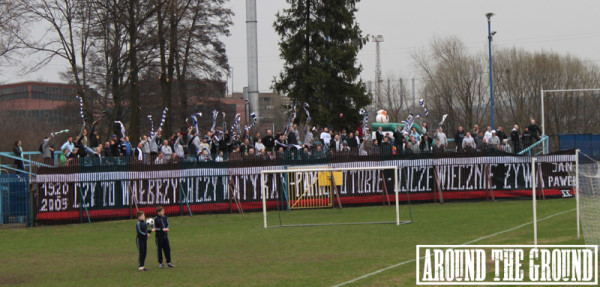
(15, 201)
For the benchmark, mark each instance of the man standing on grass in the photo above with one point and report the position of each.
(141, 239)
(161, 227)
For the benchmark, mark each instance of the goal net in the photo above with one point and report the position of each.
(588, 181)
(322, 195)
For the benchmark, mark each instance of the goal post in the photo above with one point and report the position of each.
(587, 196)
(319, 187)
(577, 191)
(534, 198)
(543, 93)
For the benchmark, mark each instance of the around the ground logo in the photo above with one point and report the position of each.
(507, 265)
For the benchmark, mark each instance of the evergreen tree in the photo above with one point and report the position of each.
(319, 41)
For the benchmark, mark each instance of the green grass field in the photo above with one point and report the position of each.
(234, 250)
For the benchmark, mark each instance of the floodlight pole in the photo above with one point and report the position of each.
(490, 35)
(378, 39)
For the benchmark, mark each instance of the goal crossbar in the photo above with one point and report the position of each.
(325, 169)
(543, 92)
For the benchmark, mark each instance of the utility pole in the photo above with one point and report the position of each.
(378, 39)
(490, 37)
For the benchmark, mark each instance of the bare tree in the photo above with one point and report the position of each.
(201, 53)
(189, 45)
(111, 44)
(10, 28)
(513, 92)
(395, 99)
(108, 68)
(455, 82)
(519, 77)
(67, 36)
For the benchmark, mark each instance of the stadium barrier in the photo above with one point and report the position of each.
(117, 188)
(14, 201)
(589, 144)
(31, 161)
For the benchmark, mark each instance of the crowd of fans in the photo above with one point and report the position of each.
(308, 143)
(477, 140)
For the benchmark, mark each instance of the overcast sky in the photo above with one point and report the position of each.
(567, 27)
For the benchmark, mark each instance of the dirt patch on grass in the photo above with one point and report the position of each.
(7, 279)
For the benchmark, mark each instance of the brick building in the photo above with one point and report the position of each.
(52, 103)
(271, 110)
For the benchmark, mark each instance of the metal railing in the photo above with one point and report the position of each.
(532, 149)
(32, 165)
(29, 163)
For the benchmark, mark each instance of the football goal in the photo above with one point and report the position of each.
(588, 197)
(322, 195)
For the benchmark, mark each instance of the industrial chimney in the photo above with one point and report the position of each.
(252, 45)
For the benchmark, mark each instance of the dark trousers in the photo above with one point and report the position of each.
(20, 165)
(162, 243)
(517, 147)
(142, 245)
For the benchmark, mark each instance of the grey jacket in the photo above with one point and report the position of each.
(46, 153)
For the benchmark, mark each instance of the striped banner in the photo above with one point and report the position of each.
(113, 194)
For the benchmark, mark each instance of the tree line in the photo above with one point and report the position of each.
(112, 46)
(455, 81)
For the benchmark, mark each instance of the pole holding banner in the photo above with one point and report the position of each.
(396, 186)
(264, 198)
(534, 195)
(577, 190)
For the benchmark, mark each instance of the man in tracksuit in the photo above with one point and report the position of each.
(161, 226)
(141, 239)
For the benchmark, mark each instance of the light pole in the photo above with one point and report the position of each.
(490, 35)
(378, 39)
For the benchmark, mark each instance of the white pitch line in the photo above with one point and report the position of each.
(466, 243)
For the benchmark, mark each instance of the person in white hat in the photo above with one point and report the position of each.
(494, 141)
